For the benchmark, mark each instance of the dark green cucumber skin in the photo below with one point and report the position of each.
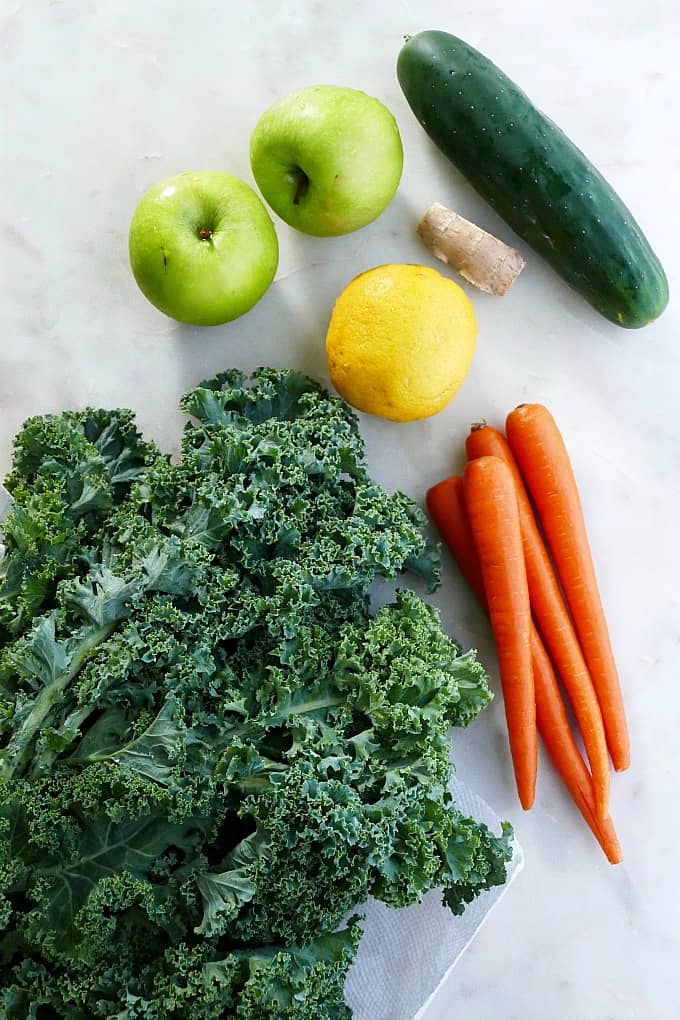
(533, 176)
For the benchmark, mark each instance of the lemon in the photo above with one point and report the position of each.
(400, 341)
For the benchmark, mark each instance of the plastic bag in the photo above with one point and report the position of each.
(406, 955)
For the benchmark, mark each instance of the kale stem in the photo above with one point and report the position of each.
(18, 750)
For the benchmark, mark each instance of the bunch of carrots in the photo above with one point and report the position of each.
(531, 569)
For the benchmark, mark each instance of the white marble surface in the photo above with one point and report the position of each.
(101, 99)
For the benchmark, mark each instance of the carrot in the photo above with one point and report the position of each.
(491, 505)
(447, 509)
(553, 618)
(446, 506)
(553, 725)
(544, 462)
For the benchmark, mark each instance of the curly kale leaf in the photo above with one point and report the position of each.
(211, 748)
(351, 769)
(284, 462)
(299, 983)
(189, 982)
(102, 852)
(475, 859)
(69, 472)
(157, 752)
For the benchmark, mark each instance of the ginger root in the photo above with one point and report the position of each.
(479, 257)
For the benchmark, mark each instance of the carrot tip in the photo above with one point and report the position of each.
(612, 850)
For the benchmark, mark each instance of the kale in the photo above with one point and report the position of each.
(211, 748)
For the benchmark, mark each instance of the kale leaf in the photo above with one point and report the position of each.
(211, 748)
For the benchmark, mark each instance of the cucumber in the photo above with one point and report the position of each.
(533, 176)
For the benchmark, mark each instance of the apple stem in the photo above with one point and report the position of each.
(204, 233)
(301, 187)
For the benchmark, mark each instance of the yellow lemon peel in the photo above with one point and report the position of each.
(400, 341)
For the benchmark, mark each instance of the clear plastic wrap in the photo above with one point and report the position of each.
(406, 955)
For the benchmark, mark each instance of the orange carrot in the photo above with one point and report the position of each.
(544, 462)
(447, 509)
(552, 617)
(446, 505)
(553, 725)
(491, 505)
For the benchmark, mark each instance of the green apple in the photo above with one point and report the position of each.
(327, 159)
(202, 247)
